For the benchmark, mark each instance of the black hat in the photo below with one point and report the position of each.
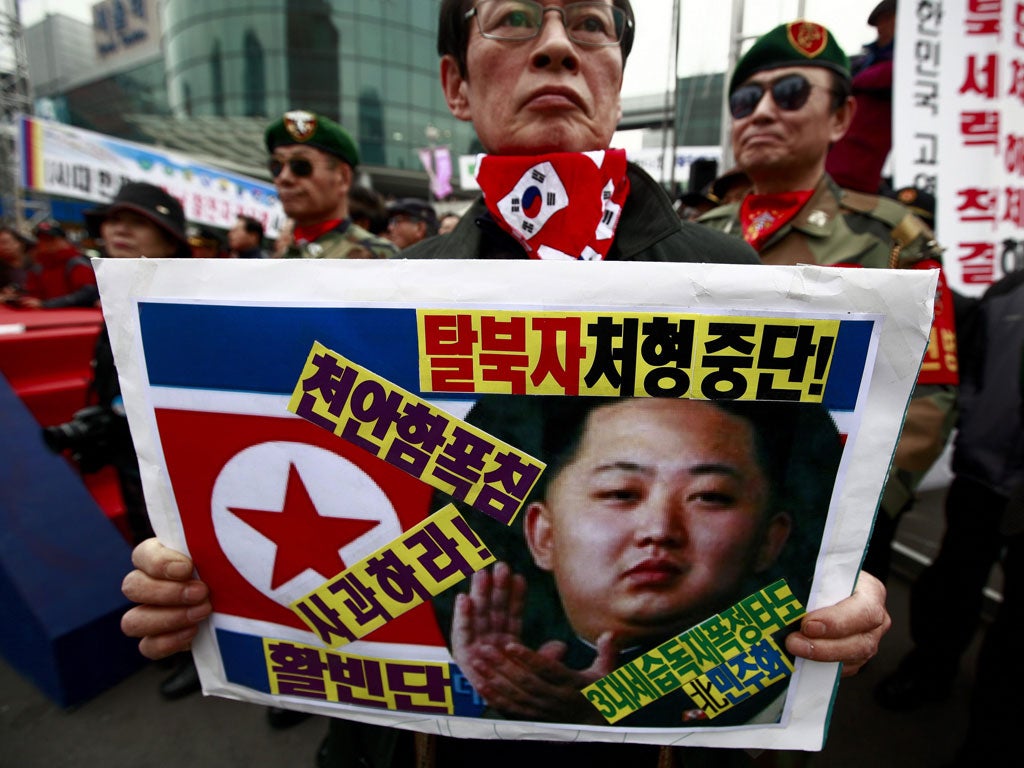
(49, 227)
(884, 8)
(205, 237)
(702, 173)
(150, 202)
(714, 193)
(920, 202)
(415, 207)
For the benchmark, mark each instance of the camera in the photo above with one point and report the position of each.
(94, 435)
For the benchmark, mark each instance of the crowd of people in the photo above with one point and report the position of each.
(545, 86)
(45, 267)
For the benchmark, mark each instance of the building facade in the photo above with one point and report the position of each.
(204, 77)
(370, 64)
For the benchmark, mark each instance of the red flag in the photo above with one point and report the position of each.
(274, 507)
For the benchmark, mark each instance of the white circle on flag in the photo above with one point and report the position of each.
(257, 479)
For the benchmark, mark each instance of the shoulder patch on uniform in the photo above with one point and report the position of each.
(881, 208)
(858, 201)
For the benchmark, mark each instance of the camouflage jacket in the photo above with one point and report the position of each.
(838, 226)
(345, 241)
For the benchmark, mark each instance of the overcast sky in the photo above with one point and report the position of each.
(704, 37)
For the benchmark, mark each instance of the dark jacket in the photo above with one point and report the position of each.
(989, 444)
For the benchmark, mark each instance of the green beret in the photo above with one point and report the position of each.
(797, 44)
(311, 130)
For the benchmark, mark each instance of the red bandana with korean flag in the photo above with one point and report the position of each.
(564, 205)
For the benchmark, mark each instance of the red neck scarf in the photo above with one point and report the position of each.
(565, 205)
(304, 235)
(761, 216)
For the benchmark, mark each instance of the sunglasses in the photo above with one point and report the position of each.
(790, 93)
(300, 167)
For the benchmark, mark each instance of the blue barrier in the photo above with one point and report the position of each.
(61, 566)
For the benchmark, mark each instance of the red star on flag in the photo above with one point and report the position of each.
(304, 538)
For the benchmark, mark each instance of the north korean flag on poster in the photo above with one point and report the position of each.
(273, 507)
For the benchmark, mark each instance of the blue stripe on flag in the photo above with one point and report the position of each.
(243, 659)
(263, 349)
(848, 360)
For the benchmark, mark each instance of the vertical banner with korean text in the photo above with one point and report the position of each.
(958, 117)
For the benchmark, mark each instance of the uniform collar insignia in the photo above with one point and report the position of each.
(817, 218)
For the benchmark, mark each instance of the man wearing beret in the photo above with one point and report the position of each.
(312, 160)
(542, 91)
(790, 100)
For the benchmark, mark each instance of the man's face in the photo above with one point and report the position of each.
(239, 239)
(653, 523)
(318, 197)
(886, 28)
(447, 224)
(11, 251)
(127, 235)
(47, 244)
(405, 230)
(547, 94)
(773, 143)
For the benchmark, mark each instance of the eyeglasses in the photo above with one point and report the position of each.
(585, 23)
(299, 166)
(789, 92)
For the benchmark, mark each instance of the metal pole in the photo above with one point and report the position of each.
(676, 20)
(735, 42)
(15, 100)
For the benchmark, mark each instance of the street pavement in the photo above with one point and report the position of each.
(131, 726)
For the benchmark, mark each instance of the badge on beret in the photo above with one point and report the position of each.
(807, 37)
(301, 125)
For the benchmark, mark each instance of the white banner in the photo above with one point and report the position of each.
(59, 160)
(958, 130)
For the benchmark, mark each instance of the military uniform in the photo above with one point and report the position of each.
(345, 241)
(840, 227)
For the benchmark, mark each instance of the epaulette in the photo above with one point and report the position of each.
(904, 226)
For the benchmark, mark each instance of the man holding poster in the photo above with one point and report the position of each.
(540, 83)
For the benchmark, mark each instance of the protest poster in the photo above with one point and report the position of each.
(343, 446)
(958, 108)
